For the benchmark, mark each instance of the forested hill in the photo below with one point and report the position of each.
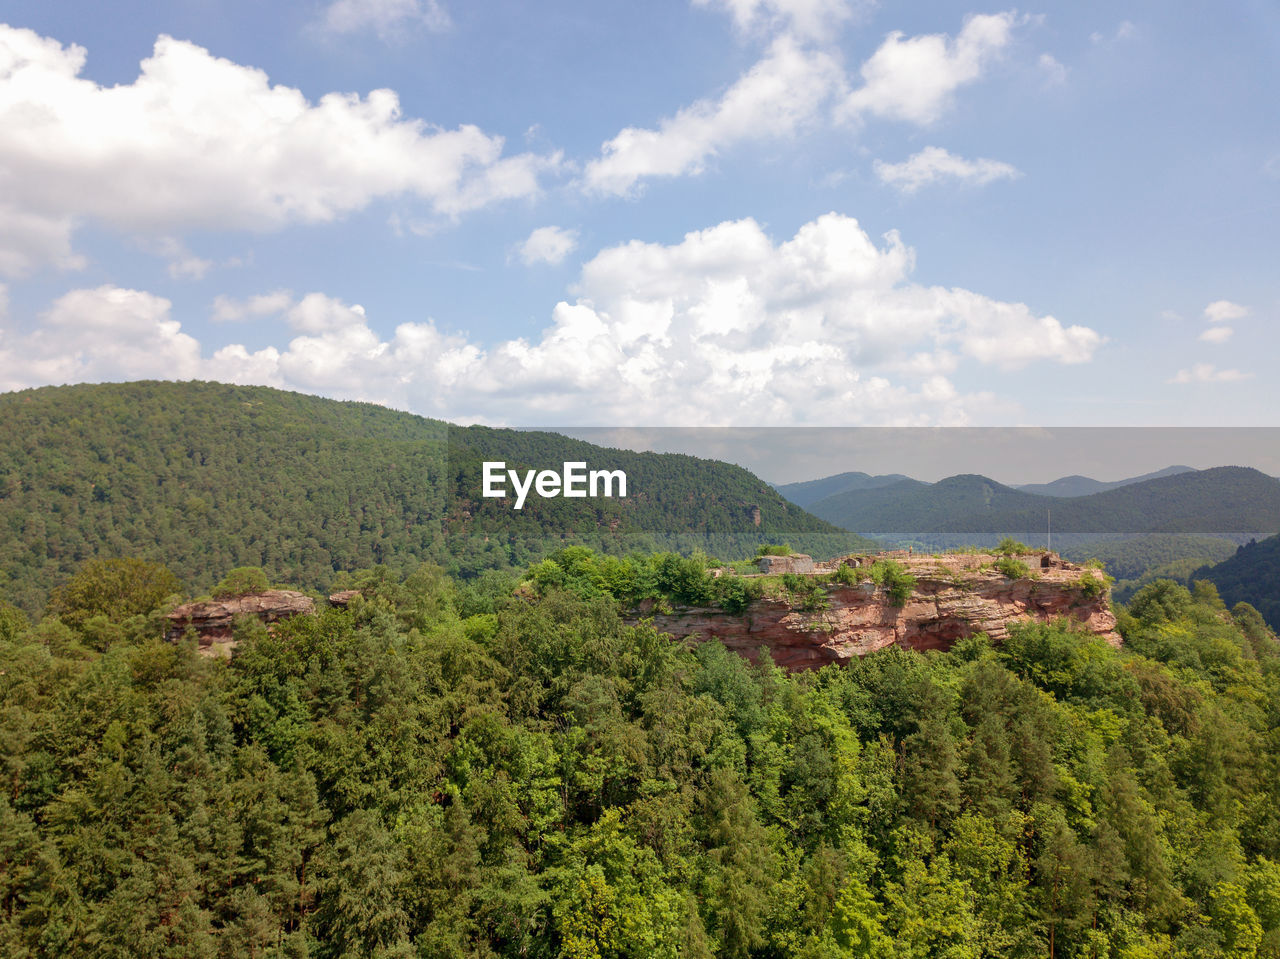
(808, 492)
(1252, 576)
(1227, 500)
(206, 477)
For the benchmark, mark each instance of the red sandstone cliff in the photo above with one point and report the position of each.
(953, 598)
(214, 619)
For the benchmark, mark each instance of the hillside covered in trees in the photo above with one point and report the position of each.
(467, 769)
(205, 477)
(1138, 560)
(1251, 575)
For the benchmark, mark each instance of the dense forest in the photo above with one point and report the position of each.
(1138, 560)
(205, 477)
(1251, 575)
(489, 768)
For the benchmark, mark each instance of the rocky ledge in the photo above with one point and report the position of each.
(213, 620)
(954, 597)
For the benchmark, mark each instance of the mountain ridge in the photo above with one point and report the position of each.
(1222, 500)
(1076, 485)
(206, 477)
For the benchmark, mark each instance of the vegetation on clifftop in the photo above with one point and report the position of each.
(460, 769)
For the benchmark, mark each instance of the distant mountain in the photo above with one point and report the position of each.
(1251, 576)
(810, 491)
(1084, 486)
(206, 477)
(1225, 502)
(910, 506)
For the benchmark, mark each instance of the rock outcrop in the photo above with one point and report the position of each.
(793, 563)
(954, 597)
(213, 620)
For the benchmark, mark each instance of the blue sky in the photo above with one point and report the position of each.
(716, 212)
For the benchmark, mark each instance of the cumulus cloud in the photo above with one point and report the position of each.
(809, 18)
(772, 100)
(387, 18)
(935, 165)
(196, 141)
(1224, 311)
(727, 326)
(1208, 373)
(548, 244)
(1219, 313)
(101, 334)
(794, 85)
(29, 240)
(913, 78)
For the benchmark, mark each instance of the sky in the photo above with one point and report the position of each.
(678, 214)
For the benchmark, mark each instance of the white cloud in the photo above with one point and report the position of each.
(726, 326)
(189, 268)
(1208, 373)
(29, 240)
(913, 79)
(182, 263)
(772, 100)
(815, 19)
(105, 333)
(548, 244)
(388, 18)
(201, 142)
(935, 165)
(1223, 311)
(228, 310)
(1125, 30)
(909, 79)
(318, 314)
(1053, 70)
(1217, 334)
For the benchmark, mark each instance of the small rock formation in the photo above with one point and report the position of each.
(342, 599)
(213, 620)
(795, 563)
(953, 598)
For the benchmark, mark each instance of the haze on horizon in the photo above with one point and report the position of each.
(1013, 456)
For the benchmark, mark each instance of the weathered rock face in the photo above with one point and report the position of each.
(795, 563)
(343, 598)
(952, 599)
(213, 620)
